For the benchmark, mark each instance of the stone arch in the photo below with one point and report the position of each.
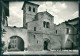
(16, 44)
(46, 43)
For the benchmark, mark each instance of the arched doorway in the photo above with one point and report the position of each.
(46, 43)
(16, 44)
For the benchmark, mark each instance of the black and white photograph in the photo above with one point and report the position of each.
(40, 28)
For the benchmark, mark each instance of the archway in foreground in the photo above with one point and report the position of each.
(16, 44)
(46, 43)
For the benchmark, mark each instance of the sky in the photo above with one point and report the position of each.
(62, 11)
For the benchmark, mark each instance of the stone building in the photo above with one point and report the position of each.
(40, 28)
(38, 32)
(69, 33)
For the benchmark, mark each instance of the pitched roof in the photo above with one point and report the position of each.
(29, 3)
(67, 22)
(36, 16)
(46, 13)
(73, 19)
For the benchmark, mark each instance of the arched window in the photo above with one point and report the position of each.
(47, 25)
(29, 8)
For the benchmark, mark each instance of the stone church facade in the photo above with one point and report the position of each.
(40, 27)
(37, 33)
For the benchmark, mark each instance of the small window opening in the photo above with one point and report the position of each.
(33, 9)
(34, 36)
(37, 41)
(67, 30)
(29, 8)
(34, 28)
(56, 31)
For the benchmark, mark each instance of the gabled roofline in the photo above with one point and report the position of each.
(29, 3)
(69, 20)
(47, 13)
(73, 19)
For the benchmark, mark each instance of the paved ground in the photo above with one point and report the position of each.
(54, 52)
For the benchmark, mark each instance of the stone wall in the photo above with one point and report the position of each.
(11, 31)
(43, 33)
(35, 42)
(61, 31)
(66, 42)
(55, 41)
(72, 36)
(44, 17)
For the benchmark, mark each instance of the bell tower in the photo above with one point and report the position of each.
(29, 12)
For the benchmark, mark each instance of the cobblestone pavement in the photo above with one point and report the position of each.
(54, 52)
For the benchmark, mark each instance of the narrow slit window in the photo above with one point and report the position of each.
(37, 41)
(34, 36)
(33, 9)
(67, 30)
(34, 28)
(44, 24)
(56, 31)
(27, 25)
